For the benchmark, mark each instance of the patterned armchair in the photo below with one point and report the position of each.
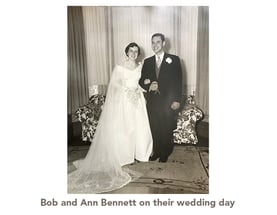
(185, 133)
(89, 115)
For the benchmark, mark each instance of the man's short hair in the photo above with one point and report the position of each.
(158, 35)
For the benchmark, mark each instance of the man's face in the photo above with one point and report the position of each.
(157, 45)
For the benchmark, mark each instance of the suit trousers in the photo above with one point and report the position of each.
(162, 123)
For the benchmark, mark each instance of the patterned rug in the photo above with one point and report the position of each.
(185, 172)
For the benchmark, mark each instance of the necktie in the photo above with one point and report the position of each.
(159, 62)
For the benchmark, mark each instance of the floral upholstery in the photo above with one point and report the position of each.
(89, 115)
(185, 133)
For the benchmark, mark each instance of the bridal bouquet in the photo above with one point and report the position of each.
(133, 94)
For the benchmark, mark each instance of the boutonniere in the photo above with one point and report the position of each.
(168, 60)
(146, 81)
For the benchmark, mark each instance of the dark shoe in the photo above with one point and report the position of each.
(154, 157)
(163, 159)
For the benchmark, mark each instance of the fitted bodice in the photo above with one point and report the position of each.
(129, 77)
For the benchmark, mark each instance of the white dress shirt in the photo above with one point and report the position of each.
(161, 57)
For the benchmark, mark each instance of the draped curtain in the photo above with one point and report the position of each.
(77, 82)
(99, 45)
(108, 29)
(188, 47)
(202, 82)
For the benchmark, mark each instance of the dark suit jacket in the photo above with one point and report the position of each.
(169, 80)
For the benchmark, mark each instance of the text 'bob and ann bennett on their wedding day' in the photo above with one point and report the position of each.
(103, 202)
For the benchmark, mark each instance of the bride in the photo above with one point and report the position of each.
(122, 136)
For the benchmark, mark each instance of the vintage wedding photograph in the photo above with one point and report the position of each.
(138, 99)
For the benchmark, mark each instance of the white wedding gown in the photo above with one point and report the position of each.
(122, 135)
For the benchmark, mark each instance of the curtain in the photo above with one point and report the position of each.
(99, 47)
(202, 83)
(109, 29)
(77, 78)
(188, 47)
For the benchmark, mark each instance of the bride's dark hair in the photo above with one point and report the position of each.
(133, 44)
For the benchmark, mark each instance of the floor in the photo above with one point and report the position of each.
(186, 171)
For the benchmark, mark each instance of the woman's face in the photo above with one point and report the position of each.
(133, 53)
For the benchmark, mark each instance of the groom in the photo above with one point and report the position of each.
(161, 77)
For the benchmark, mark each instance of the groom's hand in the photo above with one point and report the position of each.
(153, 86)
(175, 105)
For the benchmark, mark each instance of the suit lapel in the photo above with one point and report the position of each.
(163, 62)
(162, 67)
(153, 65)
